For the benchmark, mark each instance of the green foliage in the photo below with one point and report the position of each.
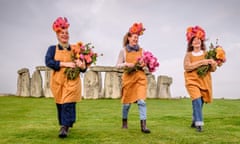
(34, 121)
(202, 70)
(130, 70)
(72, 73)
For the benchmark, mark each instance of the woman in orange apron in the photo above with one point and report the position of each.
(199, 88)
(66, 92)
(134, 85)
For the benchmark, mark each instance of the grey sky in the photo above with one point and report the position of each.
(27, 33)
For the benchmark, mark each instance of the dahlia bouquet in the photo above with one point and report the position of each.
(83, 52)
(147, 60)
(216, 53)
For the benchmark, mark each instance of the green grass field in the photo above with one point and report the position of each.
(33, 121)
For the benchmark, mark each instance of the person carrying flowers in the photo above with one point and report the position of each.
(134, 81)
(198, 87)
(66, 91)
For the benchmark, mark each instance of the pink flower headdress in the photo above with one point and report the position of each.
(137, 28)
(196, 31)
(60, 23)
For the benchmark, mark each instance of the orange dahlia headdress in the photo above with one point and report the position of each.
(196, 31)
(137, 28)
(60, 23)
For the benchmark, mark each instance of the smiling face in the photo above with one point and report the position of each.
(196, 43)
(63, 36)
(133, 40)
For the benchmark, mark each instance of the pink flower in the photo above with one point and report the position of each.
(88, 58)
(81, 56)
(150, 61)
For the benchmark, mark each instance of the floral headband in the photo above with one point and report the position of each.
(137, 28)
(196, 31)
(60, 23)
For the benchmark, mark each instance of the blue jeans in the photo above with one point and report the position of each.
(197, 106)
(141, 108)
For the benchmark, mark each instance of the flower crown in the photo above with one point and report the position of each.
(137, 28)
(196, 31)
(60, 23)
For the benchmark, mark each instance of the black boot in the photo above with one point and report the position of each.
(124, 124)
(144, 127)
(63, 132)
(199, 128)
(193, 125)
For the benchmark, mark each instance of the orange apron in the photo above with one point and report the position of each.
(197, 86)
(64, 90)
(134, 86)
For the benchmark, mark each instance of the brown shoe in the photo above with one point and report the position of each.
(63, 132)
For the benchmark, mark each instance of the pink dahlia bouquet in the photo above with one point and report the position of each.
(216, 53)
(147, 60)
(83, 52)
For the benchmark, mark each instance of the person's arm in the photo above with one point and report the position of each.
(82, 65)
(54, 64)
(49, 59)
(213, 66)
(121, 60)
(190, 66)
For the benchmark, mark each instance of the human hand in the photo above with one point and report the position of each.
(129, 65)
(212, 62)
(68, 64)
(206, 62)
(80, 63)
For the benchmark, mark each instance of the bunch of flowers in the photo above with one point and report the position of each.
(83, 52)
(147, 60)
(216, 53)
(196, 31)
(137, 28)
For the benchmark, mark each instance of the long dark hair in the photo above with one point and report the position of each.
(190, 47)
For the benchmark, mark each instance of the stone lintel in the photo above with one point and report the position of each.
(43, 68)
(105, 69)
(23, 70)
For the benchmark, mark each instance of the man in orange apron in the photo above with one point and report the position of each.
(66, 92)
(134, 85)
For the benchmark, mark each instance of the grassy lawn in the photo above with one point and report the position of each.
(33, 121)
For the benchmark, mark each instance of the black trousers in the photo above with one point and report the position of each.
(66, 114)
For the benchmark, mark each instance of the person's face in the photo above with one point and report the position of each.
(196, 43)
(63, 36)
(133, 40)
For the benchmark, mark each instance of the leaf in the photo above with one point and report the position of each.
(72, 73)
(202, 70)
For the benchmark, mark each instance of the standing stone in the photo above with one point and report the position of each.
(46, 89)
(100, 90)
(47, 75)
(91, 85)
(163, 87)
(36, 84)
(23, 84)
(151, 86)
(112, 85)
